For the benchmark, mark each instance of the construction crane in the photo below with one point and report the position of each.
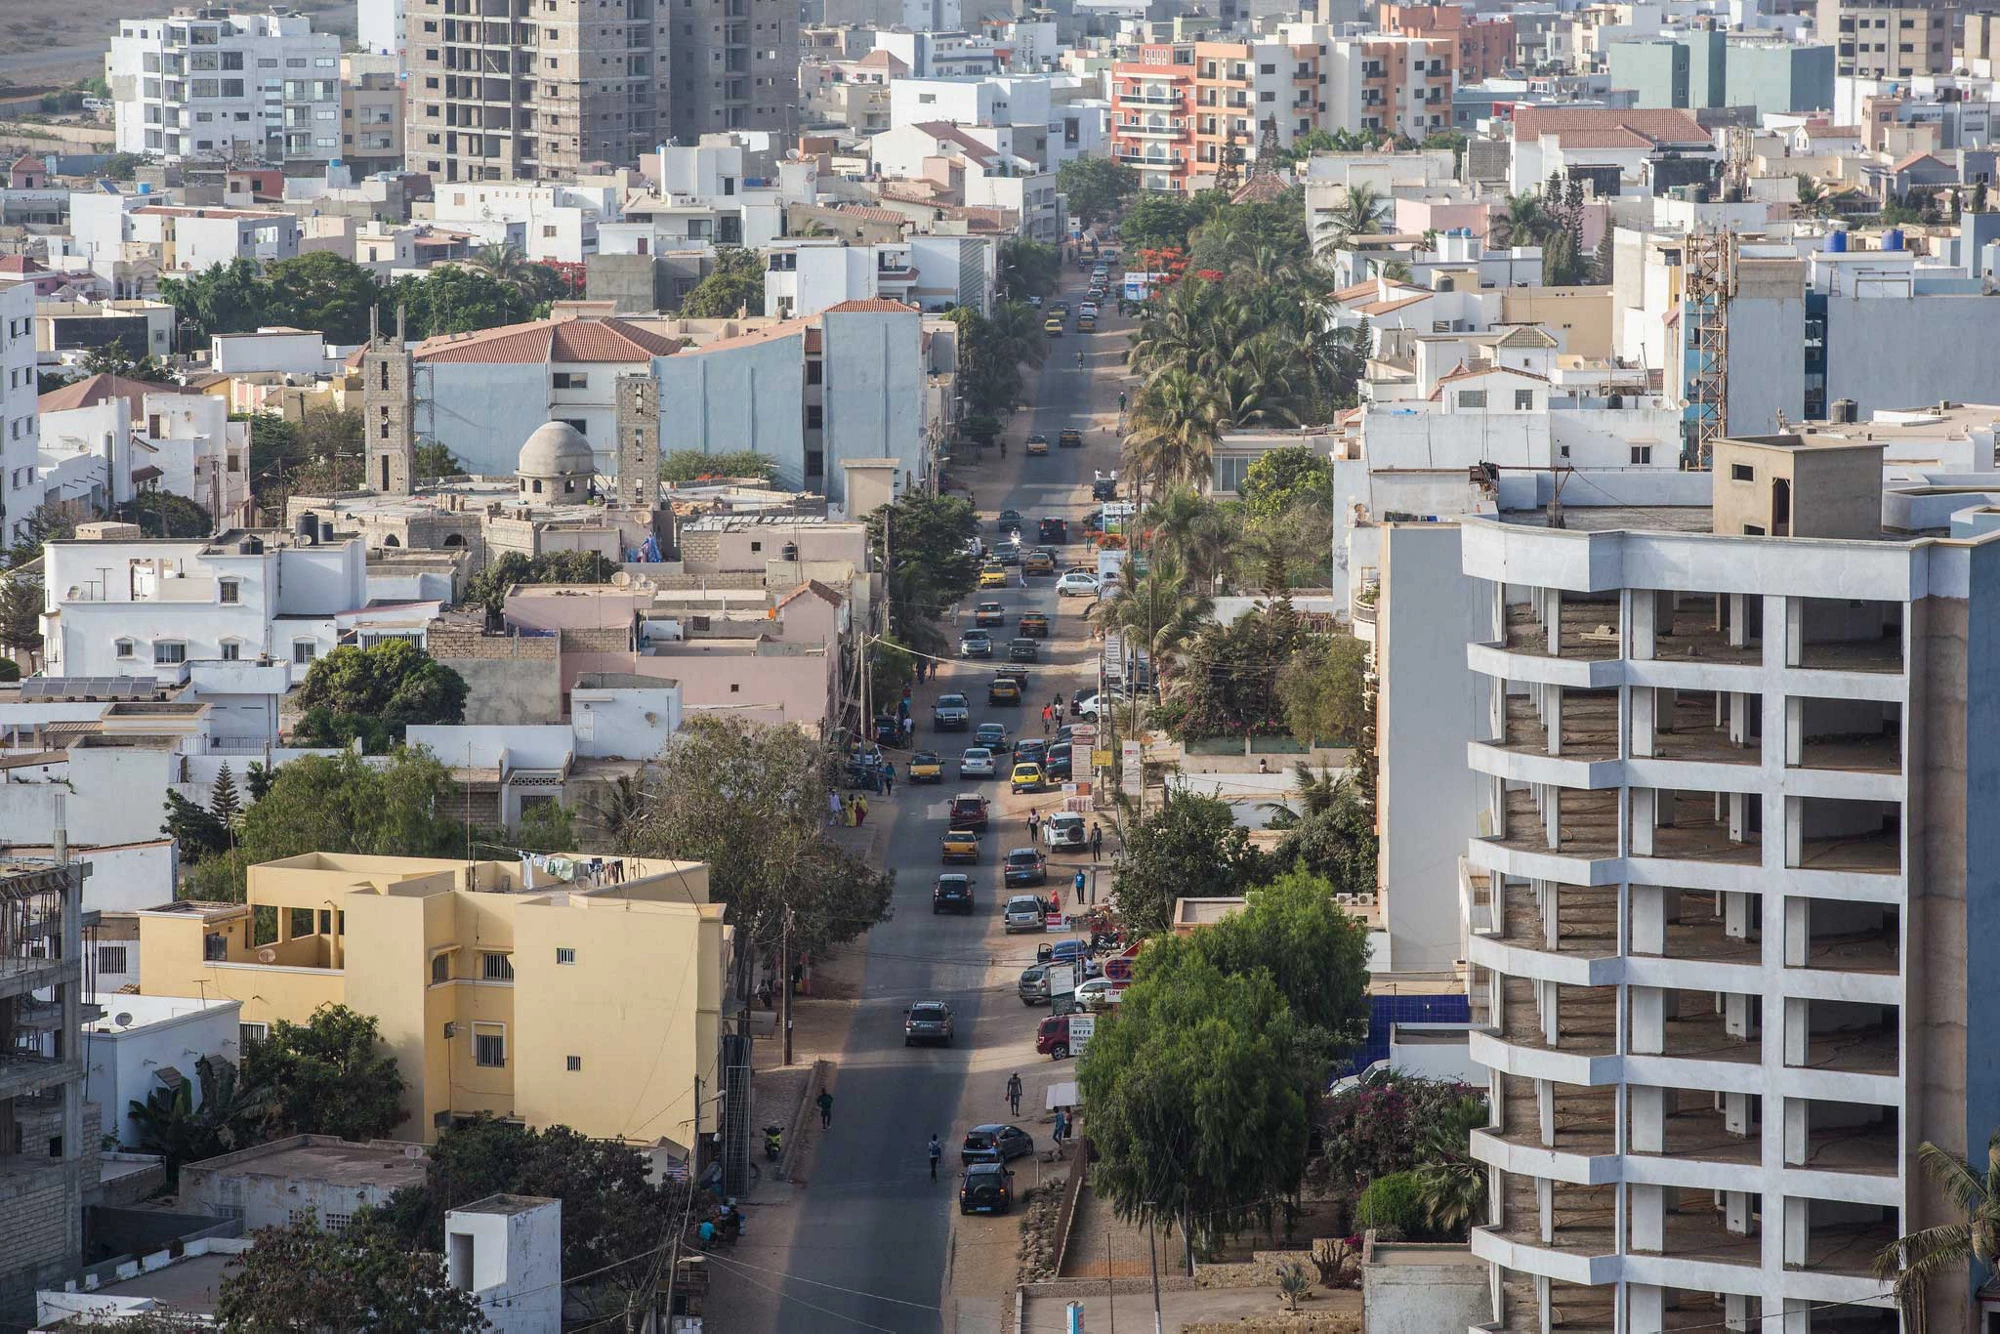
(1710, 285)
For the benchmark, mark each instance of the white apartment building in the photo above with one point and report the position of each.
(209, 84)
(110, 230)
(107, 439)
(729, 189)
(1724, 897)
(20, 419)
(989, 166)
(939, 54)
(805, 276)
(548, 223)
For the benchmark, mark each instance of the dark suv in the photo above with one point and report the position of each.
(1055, 531)
(952, 893)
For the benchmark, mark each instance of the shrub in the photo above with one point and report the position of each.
(1392, 1202)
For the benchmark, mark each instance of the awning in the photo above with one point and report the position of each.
(1062, 1095)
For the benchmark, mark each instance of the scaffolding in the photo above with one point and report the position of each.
(1711, 285)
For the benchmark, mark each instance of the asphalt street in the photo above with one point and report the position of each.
(875, 1239)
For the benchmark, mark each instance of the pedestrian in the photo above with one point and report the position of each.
(1076, 885)
(1014, 1094)
(860, 811)
(909, 730)
(1034, 824)
(888, 779)
(1055, 904)
(833, 808)
(1263, 765)
(706, 1233)
(1096, 842)
(1058, 704)
(825, 1101)
(937, 1152)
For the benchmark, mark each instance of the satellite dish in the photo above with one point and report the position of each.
(123, 1019)
(413, 1151)
(267, 955)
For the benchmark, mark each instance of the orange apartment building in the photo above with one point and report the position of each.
(1177, 109)
(1483, 48)
(1152, 115)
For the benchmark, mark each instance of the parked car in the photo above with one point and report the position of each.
(1035, 623)
(1024, 866)
(976, 762)
(993, 736)
(1069, 438)
(1052, 1037)
(968, 811)
(1003, 690)
(976, 644)
(1057, 766)
(1098, 993)
(1027, 778)
(1075, 584)
(951, 713)
(1065, 829)
(959, 845)
(994, 1143)
(1023, 913)
(1033, 988)
(1070, 949)
(1030, 748)
(1023, 649)
(927, 1021)
(952, 893)
(1093, 705)
(989, 613)
(887, 729)
(926, 766)
(986, 1188)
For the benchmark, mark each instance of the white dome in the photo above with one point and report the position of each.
(556, 450)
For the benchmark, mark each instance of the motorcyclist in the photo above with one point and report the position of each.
(1079, 361)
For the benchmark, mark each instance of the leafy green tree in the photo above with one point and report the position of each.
(233, 1115)
(929, 564)
(340, 803)
(116, 358)
(1198, 1099)
(488, 588)
(44, 523)
(376, 693)
(1393, 1207)
(1335, 837)
(258, 780)
(434, 459)
(687, 465)
(1227, 682)
(324, 292)
(545, 826)
(164, 514)
(735, 284)
(1095, 188)
(223, 803)
(1188, 840)
(1284, 477)
(750, 801)
(121, 166)
(199, 833)
(1157, 220)
(332, 1075)
(1324, 691)
(1028, 268)
(21, 614)
(614, 1217)
(456, 298)
(305, 1279)
(223, 298)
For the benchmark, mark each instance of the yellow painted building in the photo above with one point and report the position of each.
(595, 1007)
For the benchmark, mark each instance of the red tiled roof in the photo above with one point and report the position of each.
(17, 266)
(877, 305)
(1914, 158)
(101, 389)
(945, 130)
(542, 341)
(1655, 126)
(816, 588)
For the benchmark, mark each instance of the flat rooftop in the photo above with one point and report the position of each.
(504, 1204)
(188, 1286)
(1613, 518)
(323, 1158)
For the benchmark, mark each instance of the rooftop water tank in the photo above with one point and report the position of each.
(1836, 243)
(1892, 239)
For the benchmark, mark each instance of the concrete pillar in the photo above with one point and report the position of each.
(1649, 920)
(1546, 892)
(1795, 731)
(1798, 931)
(1795, 831)
(1798, 1128)
(1546, 993)
(1648, 1021)
(1644, 622)
(1736, 1014)
(1798, 1238)
(1648, 1118)
(1739, 632)
(1736, 921)
(1798, 1030)
(1645, 721)
(1545, 1210)
(1552, 816)
(1736, 1212)
(1798, 1318)
(1739, 718)
(1645, 1308)
(1552, 719)
(1795, 631)
(1552, 607)
(1736, 1312)
(1545, 1112)
(1739, 816)
(1645, 803)
(1736, 1113)
(1648, 1219)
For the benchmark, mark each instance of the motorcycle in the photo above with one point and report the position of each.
(774, 1143)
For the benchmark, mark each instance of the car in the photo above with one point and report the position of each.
(1098, 993)
(1037, 562)
(989, 613)
(1023, 912)
(1003, 690)
(1073, 950)
(986, 1188)
(975, 644)
(1065, 733)
(1008, 553)
(995, 1144)
(959, 845)
(1018, 675)
(1055, 532)
(887, 729)
(1024, 866)
(952, 893)
(1030, 749)
(1059, 308)
(976, 762)
(1038, 444)
(1010, 521)
(1034, 301)
(1075, 584)
(927, 1021)
(1086, 324)
(926, 766)
(1052, 1037)
(1069, 438)
(1033, 988)
(1057, 765)
(1053, 326)
(1065, 829)
(1035, 623)
(1104, 488)
(1076, 701)
(993, 736)
(950, 713)
(1092, 704)
(1023, 650)
(993, 575)
(1028, 778)
(968, 811)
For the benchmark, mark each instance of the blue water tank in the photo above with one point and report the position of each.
(1836, 243)
(1892, 239)
(145, 187)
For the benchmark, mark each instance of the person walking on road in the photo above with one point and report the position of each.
(1034, 824)
(1014, 1094)
(825, 1101)
(937, 1152)
(888, 779)
(1096, 842)
(1076, 886)
(1048, 714)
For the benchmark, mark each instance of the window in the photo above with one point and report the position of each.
(249, 1035)
(1524, 400)
(231, 591)
(1472, 398)
(815, 416)
(565, 955)
(1641, 455)
(572, 380)
(815, 372)
(111, 958)
(304, 651)
(496, 968)
(1742, 472)
(169, 652)
(575, 1063)
(440, 968)
(215, 947)
(124, 648)
(489, 1045)
(302, 922)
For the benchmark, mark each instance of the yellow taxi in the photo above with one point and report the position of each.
(1053, 326)
(993, 576)
(1038, 562)
(926, 767)
(1028, 778)
(1086, 324)
(960, 845)
(1003, 690)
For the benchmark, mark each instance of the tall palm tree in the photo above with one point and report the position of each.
(1943, 1251)
(1174, 427)
(1815, 200)
(1451, 1187)
(505, 263)
(1523, 221)
(1357, 215)
(1157, 610)
(618, 810)
(1192, 532)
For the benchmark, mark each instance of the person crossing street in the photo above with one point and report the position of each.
(1014, 1094)
(937, 1152)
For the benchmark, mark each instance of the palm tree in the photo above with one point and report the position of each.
(618, 810)
(1357, 215)
(1318, 790)
(1156, 610)
(1174, 428)
(1192, 532)
(231, 1115)
(1451, 1187)
(1524, 222)
(505, 263)
(1815, 200)
(1912, 1262)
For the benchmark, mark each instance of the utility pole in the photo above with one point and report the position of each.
(1153, 1255)
(1110, 1297)
(785, 979)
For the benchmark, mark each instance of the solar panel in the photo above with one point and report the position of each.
(89, 687)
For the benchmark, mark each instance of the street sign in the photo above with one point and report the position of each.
(1075, 1313)
(1083, 731)
(1062, 978)
(1100, 759)
(1081, 1028)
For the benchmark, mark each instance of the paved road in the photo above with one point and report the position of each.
(874, 1240)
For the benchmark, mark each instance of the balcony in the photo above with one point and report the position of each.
(1700, 827)
(1839, 935)
(1585, 627)
(1149, 99)
(1156, 161)
(1863, 837)
(1839, 636)
(1696, 926)
(1161, 130)
(1699, 627)
(1588, 728)
(1703, 727)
